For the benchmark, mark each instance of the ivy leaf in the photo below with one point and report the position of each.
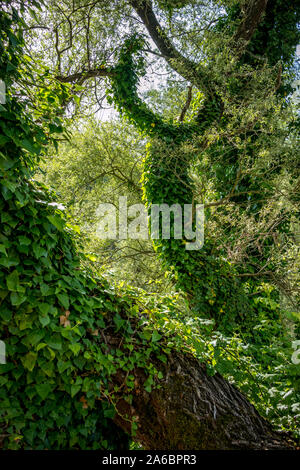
(75, 348)
(55, 343)
(75, 389)
(24, 240)
(25, 322)
(64, 300)
(118, 321)
(155, 337)
(44, 320)
(9, 262)
(17, 299)
(29, 360)
(12, 281)
(45, 289)
(44, 308)
(44, 390)
(62, 366)
(3, 250)
(28, 145)
(57, 221)
(39, 251)
(110, 413)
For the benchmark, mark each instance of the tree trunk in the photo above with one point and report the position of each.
(194, 411)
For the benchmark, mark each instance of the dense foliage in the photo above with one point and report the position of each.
(58, 317)
(54, 388)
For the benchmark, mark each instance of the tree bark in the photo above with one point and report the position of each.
(191, 71)
(254, 12)
(194, 411)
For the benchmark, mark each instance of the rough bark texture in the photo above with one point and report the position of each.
(254, 12)
(185, 67)
(193, 411)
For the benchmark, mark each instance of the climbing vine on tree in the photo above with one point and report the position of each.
(77, 345)
(55, 388)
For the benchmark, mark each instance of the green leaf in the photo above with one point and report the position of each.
(34, 337)
(25, 322)
(12, 281)
(3, 250)
(57, 221)
(9, 262)
(45, 289)
(17, 299)
(118, 321)
(39, 251)
(64, 300)
(62, 366)
(6, 164)
(110, 413)
(29, 360)
(44, 308)
(155, 337)
(75, 389)
(55, 343)
(3, 140)
(75, 348)
(29, 145)
(24, 240)
(44, 390)
(44, 320)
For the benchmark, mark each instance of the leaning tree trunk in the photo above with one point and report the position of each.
(194, 411)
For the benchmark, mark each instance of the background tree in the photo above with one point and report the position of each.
(51, 310)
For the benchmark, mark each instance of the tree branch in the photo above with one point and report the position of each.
(85, 75)
(187, 104)
(253, 15)
(193, 411)
(185, 67)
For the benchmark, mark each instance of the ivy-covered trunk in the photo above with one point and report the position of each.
(194, 411)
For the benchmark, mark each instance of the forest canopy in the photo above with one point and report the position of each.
(118, 343)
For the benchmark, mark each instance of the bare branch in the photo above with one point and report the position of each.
(191, 71)
(253, 15)
(80, 77)
(187, 104)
